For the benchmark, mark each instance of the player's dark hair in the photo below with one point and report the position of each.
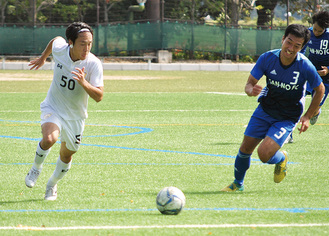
(321, 18)
(300, 31)
(75, 28)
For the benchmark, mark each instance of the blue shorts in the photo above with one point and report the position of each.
(262, 124)
(325, 95)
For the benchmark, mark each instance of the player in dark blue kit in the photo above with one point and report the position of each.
(319, 52)
(281, 104)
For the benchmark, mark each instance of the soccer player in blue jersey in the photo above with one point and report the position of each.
(319, 53)
(281, 104)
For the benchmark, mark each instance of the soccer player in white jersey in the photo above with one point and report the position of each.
(78, 75)
(281, 104)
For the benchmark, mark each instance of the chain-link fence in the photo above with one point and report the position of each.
(124, 27)
(114, 40)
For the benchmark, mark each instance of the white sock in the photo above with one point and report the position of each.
(40, 156)
(60, 170)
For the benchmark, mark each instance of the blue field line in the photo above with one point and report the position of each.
(129, 148)
(20, 121)
(136, 164)
(159, 150)
(176, 152)
(290, 210)
(159, 164)
(142, 130)
(134, 149)
(144, 149)
(21, 138)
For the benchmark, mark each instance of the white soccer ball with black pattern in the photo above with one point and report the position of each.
(170, 201)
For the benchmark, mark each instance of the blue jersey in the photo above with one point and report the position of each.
(318, 51)
(284, 95)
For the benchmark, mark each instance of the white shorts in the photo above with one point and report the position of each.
(70, 130)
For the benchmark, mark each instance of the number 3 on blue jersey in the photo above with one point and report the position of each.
(295, 77)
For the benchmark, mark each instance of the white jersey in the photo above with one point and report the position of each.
(65, 95)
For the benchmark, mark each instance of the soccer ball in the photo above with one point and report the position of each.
(170, 201)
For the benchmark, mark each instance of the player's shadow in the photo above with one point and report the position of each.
(20, 201)
(225, 144)
(209, 192)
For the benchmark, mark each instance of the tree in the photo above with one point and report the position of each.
(37, 6)
(265, 11)
(27, 11)
(62, 12)
(107, 5)
(187, 10)
(83, 7)
(3, 5)
(235, 11)
(304, 8)
(212, 8)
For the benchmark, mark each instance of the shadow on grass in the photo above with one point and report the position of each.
(212, 192)
(21, 201)
(225, 144)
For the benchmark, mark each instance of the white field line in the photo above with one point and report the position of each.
(212, 110)
(228, 93)
(32, 228)
(104, 111)
(219, 93)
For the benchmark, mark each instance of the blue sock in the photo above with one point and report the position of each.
(277, 158)
(241, 165)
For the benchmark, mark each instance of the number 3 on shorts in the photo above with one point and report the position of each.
(280, 133)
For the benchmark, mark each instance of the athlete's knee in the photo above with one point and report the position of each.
(264, 154)
(66, 154)
(48, 141)
(50, 134)
(66, 159)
